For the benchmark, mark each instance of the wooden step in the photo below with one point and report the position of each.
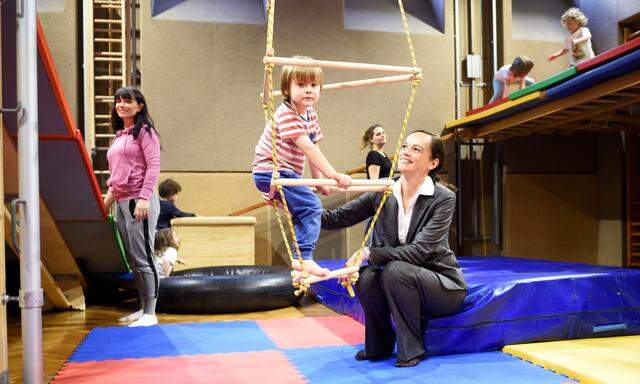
(108, 6)
(100, 172)
(103, 117)
(104, 135)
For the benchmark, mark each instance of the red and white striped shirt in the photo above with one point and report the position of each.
(289, 126)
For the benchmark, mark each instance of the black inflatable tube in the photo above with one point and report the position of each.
(225, 289)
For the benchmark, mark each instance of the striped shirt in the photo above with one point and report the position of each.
(290, 125)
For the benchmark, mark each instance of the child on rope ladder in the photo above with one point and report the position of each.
(297, 137)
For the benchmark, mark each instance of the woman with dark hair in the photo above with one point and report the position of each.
(134, 165)
(378, 163)
(409, 272)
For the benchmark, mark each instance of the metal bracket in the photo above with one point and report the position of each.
(17, 109)
(14, 222)
(31, 299)
(4, 299)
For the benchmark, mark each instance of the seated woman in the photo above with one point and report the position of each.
(410, 272)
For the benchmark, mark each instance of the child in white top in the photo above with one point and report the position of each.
(516, 73)
(578, 42)
(166, 251)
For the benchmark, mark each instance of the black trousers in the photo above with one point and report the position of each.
(408, 293)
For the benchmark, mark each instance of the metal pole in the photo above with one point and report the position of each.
(31, 296)
(494, 32)
(134, 54)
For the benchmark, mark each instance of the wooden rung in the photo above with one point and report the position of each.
(98, 172)
(108, 77)
(107, 30)
(112, 59)
(107, 40)
(104, 135)
(107, 21)
(331, 183)
(365, 83)
(109, 6)
(109, 53)
(103, 124)
(105, 101)
(103, 116)
(107, 2)
(312, 279)
(340, 65)
(101, 148)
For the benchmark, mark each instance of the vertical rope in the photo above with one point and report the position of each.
(396, 155)
(269, 112)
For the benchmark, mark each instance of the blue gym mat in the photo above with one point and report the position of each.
(512, 300)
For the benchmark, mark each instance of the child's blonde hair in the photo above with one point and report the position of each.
(521, 66)
(165, 238)
(575, 14)
(291, 73)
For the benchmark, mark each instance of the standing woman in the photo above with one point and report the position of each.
(134, 165)
(378, 164)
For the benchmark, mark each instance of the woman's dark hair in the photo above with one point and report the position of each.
(368, 135)
(437, 152)
(142, 117)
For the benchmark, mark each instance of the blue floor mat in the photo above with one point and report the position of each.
(171, 340)
(337, 365)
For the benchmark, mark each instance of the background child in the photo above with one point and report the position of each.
(578, 43)
(297, 136)
(511, 74)
(166, 251)
(168, 191)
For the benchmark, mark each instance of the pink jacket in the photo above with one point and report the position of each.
(134, 165)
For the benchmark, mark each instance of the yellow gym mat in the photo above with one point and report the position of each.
(614, 360)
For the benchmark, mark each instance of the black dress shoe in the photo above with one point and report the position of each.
(361, 355)
(409, 363)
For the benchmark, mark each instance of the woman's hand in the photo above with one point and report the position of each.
(142, 210)
(351, 262)
(107, 201)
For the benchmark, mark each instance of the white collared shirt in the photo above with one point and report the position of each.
(404, 218)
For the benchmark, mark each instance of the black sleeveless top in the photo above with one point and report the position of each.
(377, 158)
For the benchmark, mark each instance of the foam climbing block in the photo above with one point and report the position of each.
(485, 107)
(475, 118)
(611, 54)
(544, 84)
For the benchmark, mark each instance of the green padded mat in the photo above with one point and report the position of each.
(546, 83)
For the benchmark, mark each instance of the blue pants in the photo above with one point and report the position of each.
(305, 208)
(498, 88)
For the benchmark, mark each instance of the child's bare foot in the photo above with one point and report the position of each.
(310, 266)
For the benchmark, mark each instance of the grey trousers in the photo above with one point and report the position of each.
(138, 238)
(409, 293)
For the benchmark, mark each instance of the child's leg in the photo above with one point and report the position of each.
(305, 208)
(498, 88)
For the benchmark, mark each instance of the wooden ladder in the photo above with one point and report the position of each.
(107, 63)
(632, 140)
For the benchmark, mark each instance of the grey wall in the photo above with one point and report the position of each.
(604, 17)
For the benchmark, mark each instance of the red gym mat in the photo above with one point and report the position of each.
(319, 332)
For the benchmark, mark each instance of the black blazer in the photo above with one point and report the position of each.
(427, 243)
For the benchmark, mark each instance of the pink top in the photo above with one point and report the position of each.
(134, 165)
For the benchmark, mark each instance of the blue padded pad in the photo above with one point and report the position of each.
(327, 365)
(512, 300)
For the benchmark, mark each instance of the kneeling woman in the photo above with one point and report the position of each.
(134, 165)
(411, 273)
